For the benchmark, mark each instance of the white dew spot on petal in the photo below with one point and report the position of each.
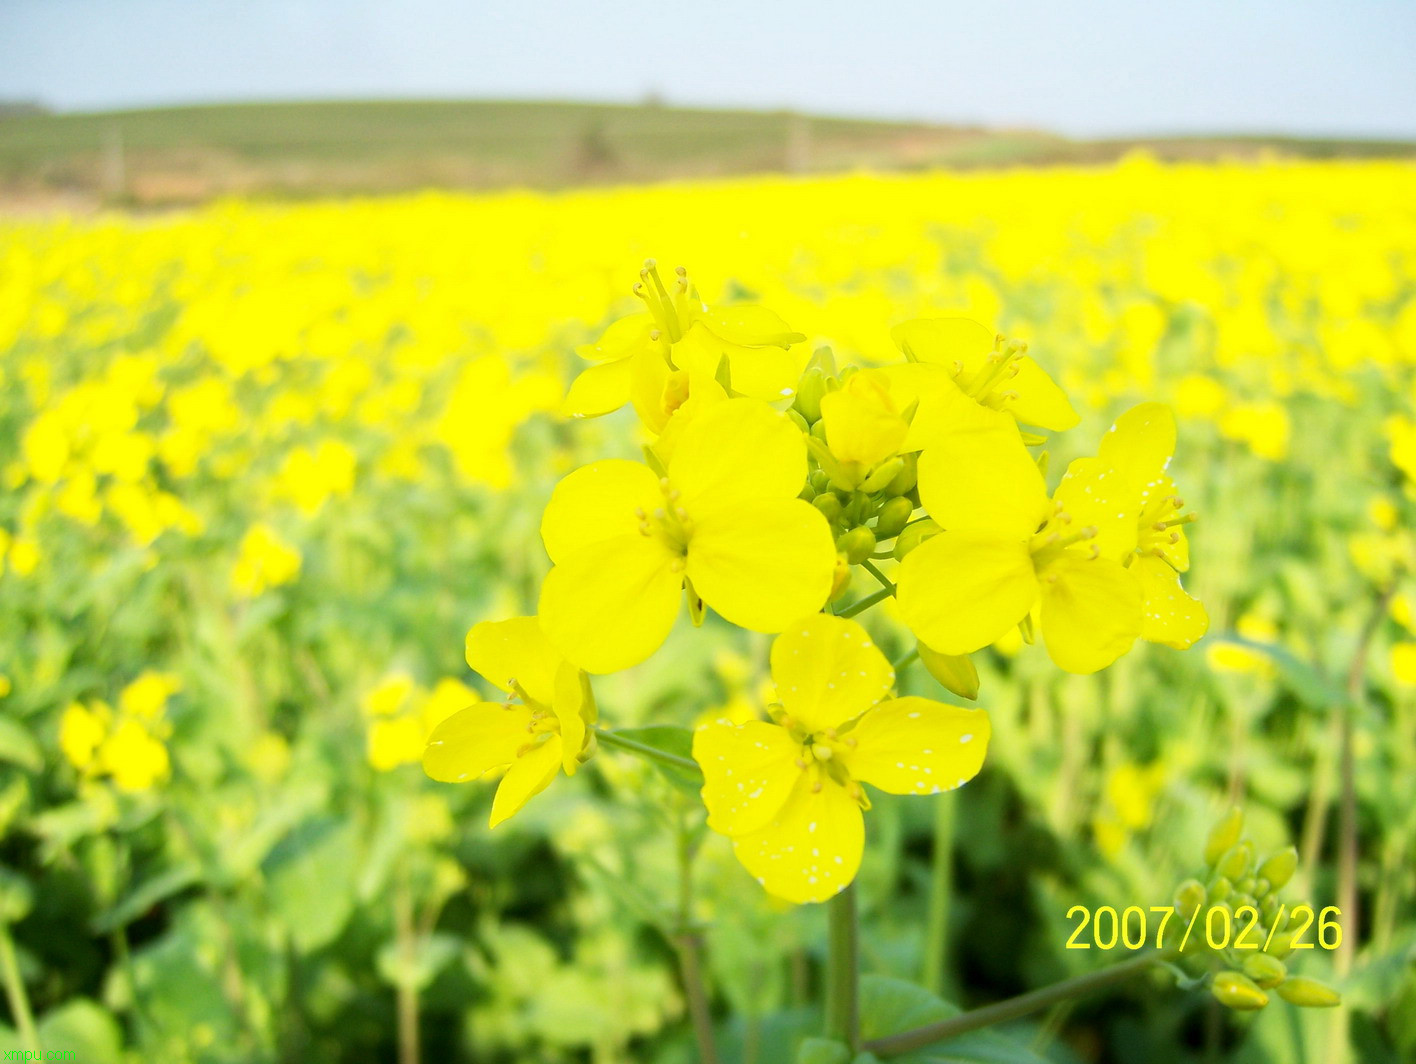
(966, 738)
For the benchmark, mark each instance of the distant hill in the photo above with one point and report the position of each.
(282, 150)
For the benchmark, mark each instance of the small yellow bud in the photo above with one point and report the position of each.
(841, 578)
(1189, 896)
(914, 535)
(799, 421)
(956, 672)
(893, 517)
(814, 383)
(1224, 835)
(906, 478)
(1308, 993)
(857, 545)
(1236, 861)
(883, 475)
(1237, 991)
(818, 431)
(1264, 970)
(1278, 868)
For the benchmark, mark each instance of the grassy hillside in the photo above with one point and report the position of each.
(177, 155)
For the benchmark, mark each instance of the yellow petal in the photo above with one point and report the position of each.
(476, 740)
(656, 388)
(1095, 494)
(1040, 402)
(944, 341)
(1091, 613)
(941, 407)
(762, 564)
(573, 712)
(827, 671)
(811, 850)
(515, 649)
(611, 605)
(598, 502)
(768, 373)
(621, 339)
(863, 422)
(748, 325)
(598, 390)
(960, 591)
(735, 451)
(748, 771)
(982, 480)
(918, 746)
(528, 776)
(1141, 442)
(1170, 616)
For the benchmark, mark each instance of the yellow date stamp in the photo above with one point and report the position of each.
(1217, 927)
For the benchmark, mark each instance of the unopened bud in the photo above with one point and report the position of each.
(1237, 991)
(1264, 970)
(830, 506)
(1224, 835)
(1278, 868)
(906, 478)
(1245, 885)
(883, 474)
(893, 517)
(956, 672)
(841, 578)
(1189, 896)
(1236, 861)
(914, 535)
(1308, 993)
(818, 431)
(1219, 888)
(820, 481)
(857, 545)
(799, 421)
(1281, 944)
(814, 383)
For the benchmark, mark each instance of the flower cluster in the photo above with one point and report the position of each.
(126, 745)
(769, 477)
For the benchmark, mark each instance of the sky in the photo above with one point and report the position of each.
(1085, 68)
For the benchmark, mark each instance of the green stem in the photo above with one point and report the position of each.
(874, 570)
(864, 604)
(908, 658)
(689, 945)
(15, 992)
(406, 991)
(936, 935)
(609, 738)
(1013, 1008)
(843, 970)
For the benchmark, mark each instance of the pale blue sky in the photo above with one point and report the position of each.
(1088, 68)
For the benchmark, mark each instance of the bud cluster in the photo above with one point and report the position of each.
(1238, 882)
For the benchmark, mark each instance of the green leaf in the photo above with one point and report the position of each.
(79, 1029)
(144, 897)
(671, 740)
(18, 747)
(429, 956)
(312, 881)
(823, 1051)
(892, 1006)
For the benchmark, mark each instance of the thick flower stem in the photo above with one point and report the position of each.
(689, 945)
(936, 932)
(1013, 1008)
(843, 970)
(609, 738)
(870, 600)
(15, 993)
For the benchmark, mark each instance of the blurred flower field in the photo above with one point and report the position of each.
(264, 465)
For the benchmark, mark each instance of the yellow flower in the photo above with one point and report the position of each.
(658, 358)
(725, 523)
(387, 698)
(1403, 663)
(1127, 477)
(993, 372)
(1232, 657)
(865, 426)
(394, 741)
(265, 561)
(81, 731)
(135, 759)
(789, 793)
(542, 728)
(147, 696)
(1006, 549)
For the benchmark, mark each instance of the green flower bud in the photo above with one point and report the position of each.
(914, 535)
(1245, 885)
(818, 430)
(1237, 991)
(1219, 889)
(894, 516)
(1264, 970)
(1235, 862)
(1268, 906)
(814, 383)
(799, 421)
(906, 478)
(1278, 868)
(1239, 901)
(883, 475)
(1281, 945)
(820, 481)
(857, 545)
(1224, 835)
(829, 504)
(1308, 993)
(1261, 888)
(1189, 896)
(955, 671)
